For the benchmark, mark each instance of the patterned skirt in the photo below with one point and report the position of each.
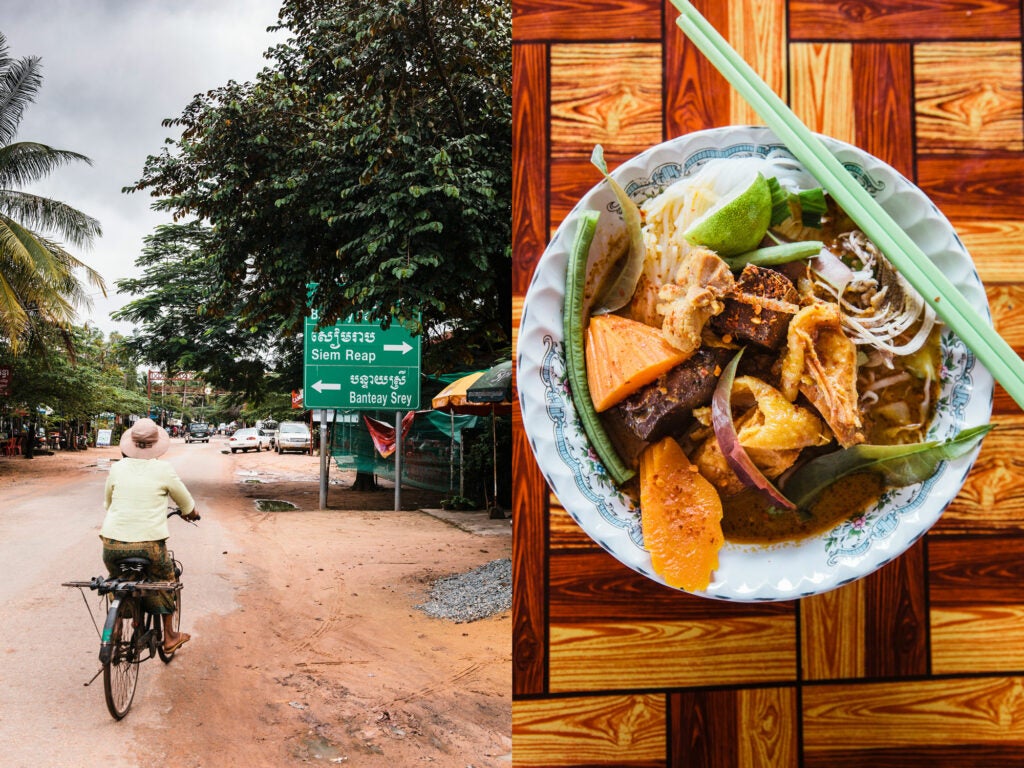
(161, 568)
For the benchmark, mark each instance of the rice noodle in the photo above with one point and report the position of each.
(888, 381)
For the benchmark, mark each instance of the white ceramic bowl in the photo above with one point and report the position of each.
(747, 572)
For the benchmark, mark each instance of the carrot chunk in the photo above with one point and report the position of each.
(623, 356)
(681, 517)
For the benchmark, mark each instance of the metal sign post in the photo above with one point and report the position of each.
(323, 461)
(398, 461)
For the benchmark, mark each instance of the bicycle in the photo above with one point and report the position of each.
(131, 633)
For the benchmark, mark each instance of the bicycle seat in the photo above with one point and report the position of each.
(134, 564)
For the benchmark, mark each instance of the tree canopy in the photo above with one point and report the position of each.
(39, 285)
(372, 158)
(98, 376)
(181, 333)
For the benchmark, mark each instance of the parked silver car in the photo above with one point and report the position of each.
(293, 436)
(249, 439)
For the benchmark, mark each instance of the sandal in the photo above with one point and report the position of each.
(184, 638)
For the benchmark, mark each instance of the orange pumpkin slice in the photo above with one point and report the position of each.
(681, 517)
(623, 356)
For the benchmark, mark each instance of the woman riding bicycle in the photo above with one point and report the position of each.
(137, 491)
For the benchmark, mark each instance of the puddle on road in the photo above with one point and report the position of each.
(319, 748)
(273, 505)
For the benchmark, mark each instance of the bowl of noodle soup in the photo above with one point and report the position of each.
(806, 562)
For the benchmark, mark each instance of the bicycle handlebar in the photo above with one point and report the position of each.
(177, 511)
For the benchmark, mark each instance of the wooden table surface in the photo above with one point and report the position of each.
(922, 662)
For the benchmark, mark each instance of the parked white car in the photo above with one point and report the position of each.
(293, 436)
(249, 439)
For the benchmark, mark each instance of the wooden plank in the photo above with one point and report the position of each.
(832, 634)
(696, 95)
(967, 96)
(967, 755)
(896, 617)
(590, 730)
(885, 20)
(705, 730)
(995, 247)
(977, 639)
(529, 566)
(565, 534)
(529, 160)
(875, 627)
(568, 20)
(884, 125)
(982, 186)
(593, 587)
(517, 318)
(605, 94)
(976, 571)
(648, 655)
(570, 180)
(991, 501)
(768, 718)
(841, 722)
(1003, 403)
(1005, 303)
(757, 30)
(822, 77)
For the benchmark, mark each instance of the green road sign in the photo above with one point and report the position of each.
(357, 366)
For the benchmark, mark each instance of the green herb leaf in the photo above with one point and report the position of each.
(780, 203)
(899, 465)
(812, 206)
(774, 255)
(808, 205)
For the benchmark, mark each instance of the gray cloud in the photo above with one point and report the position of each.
(112, 71)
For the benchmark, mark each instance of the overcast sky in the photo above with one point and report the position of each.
(112, 71)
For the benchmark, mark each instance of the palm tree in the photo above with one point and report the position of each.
(38, 277)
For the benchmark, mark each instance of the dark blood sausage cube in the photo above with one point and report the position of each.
(758, 308)
(665, 406)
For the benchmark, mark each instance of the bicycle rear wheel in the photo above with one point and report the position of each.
(121, 673)
(166, 657)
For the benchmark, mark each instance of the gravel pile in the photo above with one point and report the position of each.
(473, 595)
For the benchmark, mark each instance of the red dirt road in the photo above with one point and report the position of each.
(307, 645)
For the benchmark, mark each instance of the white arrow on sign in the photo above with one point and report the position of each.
(404, 347)
(320, 386)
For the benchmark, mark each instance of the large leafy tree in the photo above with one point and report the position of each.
(373, 159)
(39, 283)
(183, 332)
(99, 376)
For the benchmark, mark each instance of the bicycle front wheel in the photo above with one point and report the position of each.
(121, 673)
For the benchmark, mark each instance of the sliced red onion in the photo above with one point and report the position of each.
(735, 454)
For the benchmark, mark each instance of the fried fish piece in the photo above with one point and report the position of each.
(821, 363)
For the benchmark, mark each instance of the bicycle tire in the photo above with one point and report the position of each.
(166, 657)
(121, 672)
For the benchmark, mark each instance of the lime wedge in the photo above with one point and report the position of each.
(737, 222)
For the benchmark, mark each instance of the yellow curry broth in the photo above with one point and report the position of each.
(747, 519)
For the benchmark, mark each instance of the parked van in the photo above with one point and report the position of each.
(293, 436)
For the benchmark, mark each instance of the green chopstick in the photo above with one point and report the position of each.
(904, 254)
